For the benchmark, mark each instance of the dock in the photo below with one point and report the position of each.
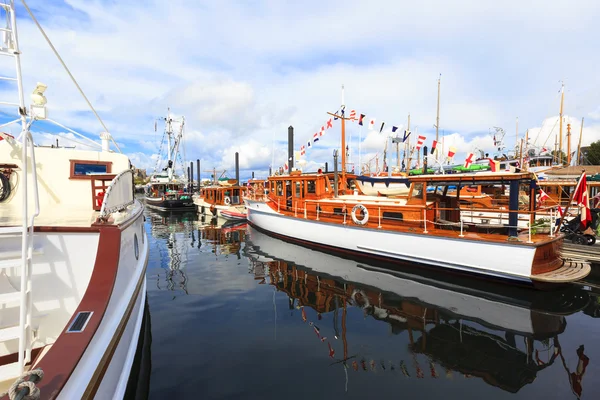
(590, 254)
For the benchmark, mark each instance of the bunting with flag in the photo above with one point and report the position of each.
(371, 123)
(581, 198)
(451, 152)
(494, 165)
(352, 115)
(406, 135)
(361, 118)
(420, 142)
(433, 146)
(469, 160)
(543, 196)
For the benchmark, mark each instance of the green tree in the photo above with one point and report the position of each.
(593, 154)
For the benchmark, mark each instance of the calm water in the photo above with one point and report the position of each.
(237, 314)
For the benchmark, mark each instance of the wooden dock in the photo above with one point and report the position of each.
(580, 252)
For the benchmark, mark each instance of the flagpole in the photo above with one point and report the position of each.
(560, 140)
(437, 118)
(343, 143)
(360, 149)
(562, 217)
(579, 145)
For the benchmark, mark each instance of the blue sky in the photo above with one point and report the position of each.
(241, 72)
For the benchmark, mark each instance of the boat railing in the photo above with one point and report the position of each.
(26, 303)
(119, 195)
(490, 220)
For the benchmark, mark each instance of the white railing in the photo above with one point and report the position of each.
(25, 329)
(119, 194)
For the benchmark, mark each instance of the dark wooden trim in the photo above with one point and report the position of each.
(61, 360)
(10, 166)
(96, 380)
(66, 229)
(72, 168)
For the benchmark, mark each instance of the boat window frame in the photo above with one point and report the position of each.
(73, 163)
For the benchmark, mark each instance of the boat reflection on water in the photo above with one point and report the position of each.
(505, 336)
(178, 231)
(225, 237)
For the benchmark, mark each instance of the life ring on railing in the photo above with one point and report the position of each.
(213, 209)
(365, 214)
(227, 200)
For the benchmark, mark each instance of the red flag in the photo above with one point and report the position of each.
(331, 351)
(420, 141)
(580, 197)
(451, 152)
(329, 123)
(543, 196)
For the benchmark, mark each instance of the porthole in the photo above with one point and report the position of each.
(136, 246)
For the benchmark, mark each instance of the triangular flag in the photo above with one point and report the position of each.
(381, 129)
(360, 119)
(394, 129)
(406, 135)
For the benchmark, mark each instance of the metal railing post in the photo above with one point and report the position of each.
(425, 220)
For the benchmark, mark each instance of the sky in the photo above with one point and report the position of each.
(242, 72)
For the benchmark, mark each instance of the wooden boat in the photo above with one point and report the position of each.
(166, 191)
(312, 209)
(73, 255)
(442, 316)
(216, 199)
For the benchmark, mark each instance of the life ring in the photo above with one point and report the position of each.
(365, 214)
(213, 210)
(227, 200)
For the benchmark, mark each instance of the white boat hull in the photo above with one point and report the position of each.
(494, 259)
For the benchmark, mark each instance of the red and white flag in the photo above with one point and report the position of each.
(420, 141)
(543, 196)
(581, 198)
(433, 146)
(494, 165)
(329, 123)
(302, 150)
(371, 123)
(451, 152)
(353, 115)
(285, 166)
(469, 160)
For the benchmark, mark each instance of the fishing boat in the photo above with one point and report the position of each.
(314, 209)
(73, 256)
(166, 191)
(452, 324)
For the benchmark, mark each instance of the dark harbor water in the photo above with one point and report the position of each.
(236, 314)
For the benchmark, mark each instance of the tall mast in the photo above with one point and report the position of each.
(343, 143)
(579, 145)
(437, 118)
(517, 135)
(169, 133)
(560, 140)
(568, 144)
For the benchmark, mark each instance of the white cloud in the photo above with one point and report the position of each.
(241, 74)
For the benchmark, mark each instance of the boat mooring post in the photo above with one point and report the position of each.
(335, 173)
(198, 172)
(191, 169)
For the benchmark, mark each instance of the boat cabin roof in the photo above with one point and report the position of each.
(480, 178)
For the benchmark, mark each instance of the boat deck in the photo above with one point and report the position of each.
(570, 271)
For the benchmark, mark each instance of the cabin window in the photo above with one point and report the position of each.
(299, 192)
(311, 187)
(82, 169)
(338, 211)
(279, 188)
(417, 191)
(394, 216)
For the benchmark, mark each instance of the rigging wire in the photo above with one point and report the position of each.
(69, 72)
